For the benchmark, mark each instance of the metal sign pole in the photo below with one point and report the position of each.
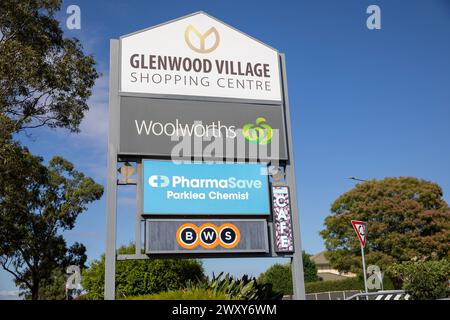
(111, 195)
(139, 210)
(364, 268)
(298, 280)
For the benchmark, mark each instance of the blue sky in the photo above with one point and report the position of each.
(364, 103)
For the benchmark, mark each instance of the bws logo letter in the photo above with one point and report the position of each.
(187, 236)
(208, 236)
(229, 235)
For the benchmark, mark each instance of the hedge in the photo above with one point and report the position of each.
(343, 285)
(194, 294)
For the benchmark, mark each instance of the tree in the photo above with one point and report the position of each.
(37, 203)
(423, 280)
(309, 268)
(140, 277)
(45, 79)
(279, 275)
(407, 219)
(54, 287)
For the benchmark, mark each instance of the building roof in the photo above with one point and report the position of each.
(319, 258)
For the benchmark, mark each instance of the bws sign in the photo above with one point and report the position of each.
(199, 56)
(206, 236)
(199, 188)
(174, 128)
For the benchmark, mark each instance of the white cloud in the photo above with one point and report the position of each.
(9, 295)
(94, 127)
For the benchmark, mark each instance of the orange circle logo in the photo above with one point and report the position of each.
(229, 235)
(187, 236)
(208, 236)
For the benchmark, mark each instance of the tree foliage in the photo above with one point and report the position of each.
(140, 277)
(45, 79)
(54, 287)
(37, 203)
(407, 219)
(279, 275)
(423, 280)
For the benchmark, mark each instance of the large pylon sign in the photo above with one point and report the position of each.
(199, 114)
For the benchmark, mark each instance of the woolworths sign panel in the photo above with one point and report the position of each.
(175, 128)
(199, 56)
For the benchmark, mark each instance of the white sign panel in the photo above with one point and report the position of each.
(199, 56)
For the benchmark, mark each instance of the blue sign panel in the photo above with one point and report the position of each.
(202, 188)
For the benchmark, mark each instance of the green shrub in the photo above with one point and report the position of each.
(423, 280)
(140, 277)
(237, 289)
(194, 294)
(338, 285)
(279, 275)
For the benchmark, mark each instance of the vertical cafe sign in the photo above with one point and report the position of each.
(199, 56)
(284, 241)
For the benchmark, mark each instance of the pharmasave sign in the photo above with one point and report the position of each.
(207, 189)
(199, 56)
(175, 128)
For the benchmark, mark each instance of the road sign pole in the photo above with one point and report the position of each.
(364, 269)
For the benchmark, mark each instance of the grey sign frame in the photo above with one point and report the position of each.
(112, 181)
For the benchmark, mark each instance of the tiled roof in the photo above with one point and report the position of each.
(319, 258)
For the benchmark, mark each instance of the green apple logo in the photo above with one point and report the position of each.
(260, 134)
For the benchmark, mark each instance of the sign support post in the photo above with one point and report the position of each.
(298, 279)
(138, 237)
(111, 195)
(364, 269)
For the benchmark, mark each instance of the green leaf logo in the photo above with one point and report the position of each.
(261, 133)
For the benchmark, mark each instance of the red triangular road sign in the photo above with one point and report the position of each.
(361, 230)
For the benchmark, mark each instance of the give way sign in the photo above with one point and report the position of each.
(361, 230)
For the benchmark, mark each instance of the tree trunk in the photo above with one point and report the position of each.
(35, 290)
